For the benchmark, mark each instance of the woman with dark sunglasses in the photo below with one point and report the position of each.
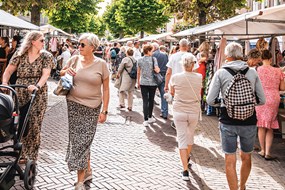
(87, 105)
(33, 66)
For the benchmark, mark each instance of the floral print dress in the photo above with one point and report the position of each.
(29, 74)
(270, 79)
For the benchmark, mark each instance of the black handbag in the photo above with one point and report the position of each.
(158, 78)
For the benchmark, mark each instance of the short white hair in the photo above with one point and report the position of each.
(234, 50)
(155, 45)
(188, 59)
(92, 39)
(183, 42)
(129, 43)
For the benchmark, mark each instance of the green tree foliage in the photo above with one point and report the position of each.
(35, 7)
(97, 26)
(142, 15)
(110, 17)
(179, 26)
(201, 12)
(75, 18)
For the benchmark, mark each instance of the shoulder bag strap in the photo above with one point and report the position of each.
(125, 67)
(200, 113)
(74, 64)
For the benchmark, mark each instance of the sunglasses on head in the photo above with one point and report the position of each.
(82, 45)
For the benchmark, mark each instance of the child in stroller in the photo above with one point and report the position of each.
(10, 130)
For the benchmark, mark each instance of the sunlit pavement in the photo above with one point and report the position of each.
(126, 155)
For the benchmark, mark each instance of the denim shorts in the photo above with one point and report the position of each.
(230, 134)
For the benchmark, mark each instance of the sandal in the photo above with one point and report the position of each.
(261, 153)
(130, 109)
(268, 157)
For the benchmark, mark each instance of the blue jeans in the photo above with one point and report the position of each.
(230, 133)
(164, 104)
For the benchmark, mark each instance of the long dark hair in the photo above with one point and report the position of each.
(6, 41)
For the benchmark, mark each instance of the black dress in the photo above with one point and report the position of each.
(2, 56)
(13, 77)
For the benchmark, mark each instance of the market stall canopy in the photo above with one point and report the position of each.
(50, 29)
(265, 22)
(163, 36)
(128, 39)
(10, 21)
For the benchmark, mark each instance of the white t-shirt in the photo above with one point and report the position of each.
(175, 62)
(65, 55)
(137, 54)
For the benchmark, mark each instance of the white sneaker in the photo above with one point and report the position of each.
(151, 120)
(145, 123)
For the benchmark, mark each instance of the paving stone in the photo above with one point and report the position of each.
(125, 155)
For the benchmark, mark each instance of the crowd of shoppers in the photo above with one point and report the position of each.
(187, 76)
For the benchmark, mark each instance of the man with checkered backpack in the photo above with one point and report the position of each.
(240, 89)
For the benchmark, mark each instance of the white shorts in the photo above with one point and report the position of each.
(185, 127)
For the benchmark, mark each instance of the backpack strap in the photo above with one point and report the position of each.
(244, 71)
(234, 73)
(230, 71)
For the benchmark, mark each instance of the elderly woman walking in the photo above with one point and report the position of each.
(33, 66)
(186, 87)
(84, 103)
(127, 83)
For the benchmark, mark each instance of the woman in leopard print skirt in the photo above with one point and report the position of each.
(84, 105)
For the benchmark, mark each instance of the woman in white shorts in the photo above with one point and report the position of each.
(186, 88)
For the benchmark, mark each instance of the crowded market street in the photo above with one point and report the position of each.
(127, 155)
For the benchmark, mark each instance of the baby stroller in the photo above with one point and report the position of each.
(10, 130)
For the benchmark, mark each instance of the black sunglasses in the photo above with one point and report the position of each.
(82, 45)
(42, 40)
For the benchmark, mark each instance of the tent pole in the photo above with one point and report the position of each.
(246, 27)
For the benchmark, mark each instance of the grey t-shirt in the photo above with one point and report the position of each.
(146, 66)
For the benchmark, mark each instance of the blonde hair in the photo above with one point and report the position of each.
(27, 43)
(204, 47)
(92, 39)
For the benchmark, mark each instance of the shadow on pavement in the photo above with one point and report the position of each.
(208, 158)
(155, 135)
(201, 183)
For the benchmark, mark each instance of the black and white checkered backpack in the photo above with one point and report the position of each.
(239, 98)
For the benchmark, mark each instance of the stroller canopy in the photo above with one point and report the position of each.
(6, 106)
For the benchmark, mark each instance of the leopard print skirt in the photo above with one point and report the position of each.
(82, 128)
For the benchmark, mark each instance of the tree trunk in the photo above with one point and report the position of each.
(36, 15)
(142, 34)
(202, 21)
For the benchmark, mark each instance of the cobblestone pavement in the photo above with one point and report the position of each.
(125, 155)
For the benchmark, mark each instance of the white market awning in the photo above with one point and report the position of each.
(8, 20)
(50, 29)
(128, 39)
(265, 22)
(163, 36)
